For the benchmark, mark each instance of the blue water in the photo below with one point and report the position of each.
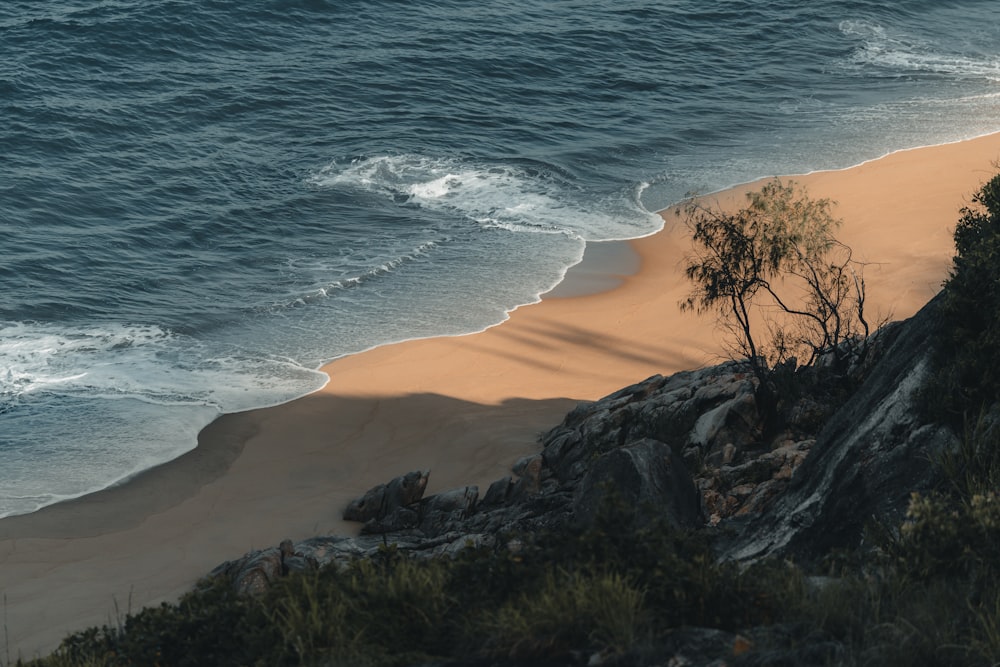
(202, 201)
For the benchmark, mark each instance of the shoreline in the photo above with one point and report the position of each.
(602, 268)
(464, 406)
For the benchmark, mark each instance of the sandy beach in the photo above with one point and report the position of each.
(464, 407)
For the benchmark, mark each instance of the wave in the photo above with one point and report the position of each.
(900, 53)
(142, 362)
(378, 271)
(40, 357)
(525, 199)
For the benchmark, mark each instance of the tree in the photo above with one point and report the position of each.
(775, 263)
(967, 353)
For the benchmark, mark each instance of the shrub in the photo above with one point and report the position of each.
(371, 612)
(968, 350)
(571, 611)
(212, 625)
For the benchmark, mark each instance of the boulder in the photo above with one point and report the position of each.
(645, 475)
(401, 518)
(498, 492)
(701, 412)
(439, 513)
(384, 499)
(256, 573)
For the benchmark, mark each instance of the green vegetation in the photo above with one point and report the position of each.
(611, 588)
(929, 596)
(968, 354)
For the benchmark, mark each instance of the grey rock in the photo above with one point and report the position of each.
(528, 466)
(497, 493)
(645, 475)
(441, 512)
(384, 499)
(368, 506)
(401, 518)
(255, 575)
(702, 411)
(867, 460)
(461, 500)
(297, 564)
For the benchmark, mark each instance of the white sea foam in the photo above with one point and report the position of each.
(146, 363)
(902, 54)
(495, 196)
(45, 357)
(436, 188)
(139, 393)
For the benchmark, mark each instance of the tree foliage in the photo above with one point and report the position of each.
(776, 264)
(968, 353)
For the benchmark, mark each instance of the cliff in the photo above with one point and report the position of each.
(694, 448)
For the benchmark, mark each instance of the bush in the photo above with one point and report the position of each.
(968, 349)
(212, 625)
(613, 587)
(570, 611)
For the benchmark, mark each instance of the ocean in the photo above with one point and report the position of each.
(203, 201)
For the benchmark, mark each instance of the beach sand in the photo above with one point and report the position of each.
(464, 407)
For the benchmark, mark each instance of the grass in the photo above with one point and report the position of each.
(973, 468)
(929, 596)
(570, 610)
(616, 594)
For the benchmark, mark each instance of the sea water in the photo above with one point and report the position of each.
(201, 201)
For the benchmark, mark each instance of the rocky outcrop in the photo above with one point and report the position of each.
(638, 444)
(385, 499)
(645, 475)
(693, 449)
(696, 413)
(875, 451)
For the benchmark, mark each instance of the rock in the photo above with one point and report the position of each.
(287, 548)
(382, 500)
(497, 493)
(440, 512)
(461, 500)
(727, 428)
(401, 518)
(408, 489)
(866, 461)
(254, 574)
(646, 475)
(367, 507)
(297, 564)
(701, 411)
(528, 466)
